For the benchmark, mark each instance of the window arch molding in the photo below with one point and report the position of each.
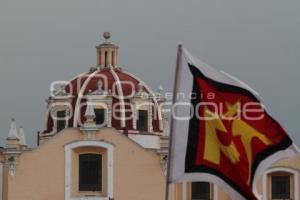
(68, 167)
(289, 170)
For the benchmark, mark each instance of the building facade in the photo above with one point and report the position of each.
(106, 138)
(279, 182)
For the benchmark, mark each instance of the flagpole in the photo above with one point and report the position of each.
(175, 89)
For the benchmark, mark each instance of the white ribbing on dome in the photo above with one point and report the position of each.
(80, 94)
(120, 96)
(13, 131)
(22, 137)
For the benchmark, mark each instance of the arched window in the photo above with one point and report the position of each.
(280, 183)
(90, 172)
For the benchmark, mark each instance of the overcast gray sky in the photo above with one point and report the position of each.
(43, 41)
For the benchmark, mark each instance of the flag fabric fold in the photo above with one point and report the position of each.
(220, 130)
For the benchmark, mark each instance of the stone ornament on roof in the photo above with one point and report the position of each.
(89, 112)
(22, 137)
(13, 131)
(141, 92)
(61, 91)
(99, 90)
(106, 36)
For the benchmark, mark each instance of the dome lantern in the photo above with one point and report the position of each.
(107, 53)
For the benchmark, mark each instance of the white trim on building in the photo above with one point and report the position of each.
(216, 192)
(295, 174)
(80, 96)
(184, 191)
(146, 141)
(120, 96)
(68, 168)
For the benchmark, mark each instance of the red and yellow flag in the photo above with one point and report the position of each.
(221, 132)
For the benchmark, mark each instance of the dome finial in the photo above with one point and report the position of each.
(106, 36)
(13, 132)
(22, 136)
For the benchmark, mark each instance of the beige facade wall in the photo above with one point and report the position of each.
(222, 195)
(5, 183)
(286, 164)
(1, 180)
(40, 174)
(138, 175)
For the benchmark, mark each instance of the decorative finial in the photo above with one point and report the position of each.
(89, 116)
(89, 112)
(160, 89)
(99, 85)
(140, 87)
(106, 36)
(22, 136)
(13, 132)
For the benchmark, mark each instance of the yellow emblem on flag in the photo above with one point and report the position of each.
(214, 126)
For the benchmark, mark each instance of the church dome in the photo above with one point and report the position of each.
(118, 99)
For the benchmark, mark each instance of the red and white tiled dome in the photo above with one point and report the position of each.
(121, 93)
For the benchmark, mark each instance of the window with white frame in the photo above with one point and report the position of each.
(280, 186)
(280, 183)
(90, 172)
(61, 120)
(100, 116)
(90, 163)
(142, 120)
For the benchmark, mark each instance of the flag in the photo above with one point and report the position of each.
(220, 130)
